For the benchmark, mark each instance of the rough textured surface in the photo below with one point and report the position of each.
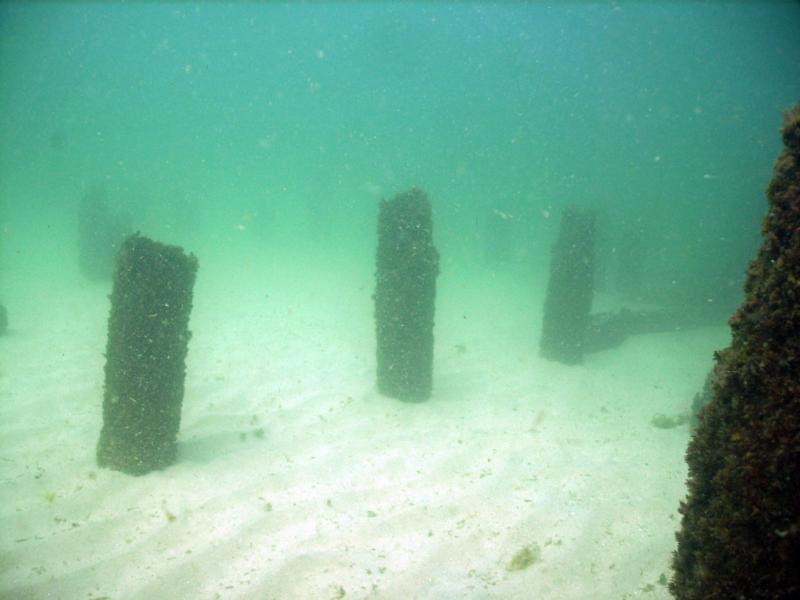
(3, 319)
(740, 536)
(405, 291)
(569, 288)
(145, 358)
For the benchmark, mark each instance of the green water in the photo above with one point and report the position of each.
(261, 137)
(285, 123)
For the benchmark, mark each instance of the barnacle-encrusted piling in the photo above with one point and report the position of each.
(148, 335)
(740, 535)
(568, 300)
(407, 266)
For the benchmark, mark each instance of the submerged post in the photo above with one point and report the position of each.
(740, 533)
(145, 368)
(631, 256)
(407, 267)
(568, 300)
(101, 231)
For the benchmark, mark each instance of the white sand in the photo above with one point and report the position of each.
(297, 480)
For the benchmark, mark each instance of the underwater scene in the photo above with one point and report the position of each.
(399, 300)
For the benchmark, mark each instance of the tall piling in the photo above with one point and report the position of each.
(407, 265)
(148, 337)
(570, 288)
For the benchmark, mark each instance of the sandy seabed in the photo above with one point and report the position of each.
(296, 480)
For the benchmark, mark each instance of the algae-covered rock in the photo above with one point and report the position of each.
(662, 421)
(524, 558)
